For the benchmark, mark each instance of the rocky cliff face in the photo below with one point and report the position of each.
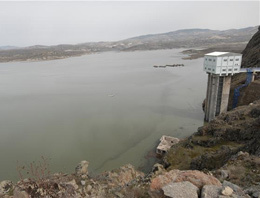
(251, 58)
(251, 54)
(217, 143)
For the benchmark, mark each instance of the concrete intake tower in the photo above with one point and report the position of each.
(220, 66)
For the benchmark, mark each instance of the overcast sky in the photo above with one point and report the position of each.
(51, 23)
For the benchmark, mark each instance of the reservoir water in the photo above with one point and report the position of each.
(109, 109)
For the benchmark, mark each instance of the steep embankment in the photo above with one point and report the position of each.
(215, 144)
(251, 58)
(251, 54)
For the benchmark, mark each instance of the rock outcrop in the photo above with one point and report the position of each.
(251, 58)
(220, 143)
(197, 178)
(192, 184)
(251, 54)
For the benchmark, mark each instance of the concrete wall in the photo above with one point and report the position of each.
(216, 105)
(225, 94)
(211, 98)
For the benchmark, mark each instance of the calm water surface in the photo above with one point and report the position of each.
(109, 109)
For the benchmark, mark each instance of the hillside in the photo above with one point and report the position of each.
(187, 38)
(251, 54)
(228, 44)
(195, 38)
(250, 58)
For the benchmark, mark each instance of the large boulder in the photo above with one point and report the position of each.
(181, 190)
(237, 190)
(197, 178)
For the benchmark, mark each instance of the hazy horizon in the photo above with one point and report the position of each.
(52, 23)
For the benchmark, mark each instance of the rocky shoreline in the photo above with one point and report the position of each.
(220, 160)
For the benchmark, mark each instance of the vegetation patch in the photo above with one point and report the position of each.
(182, 155)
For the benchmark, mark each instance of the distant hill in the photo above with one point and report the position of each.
(186, 38)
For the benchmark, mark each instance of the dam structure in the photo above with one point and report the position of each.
(219, 66)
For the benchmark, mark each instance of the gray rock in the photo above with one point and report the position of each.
(5, 187)
(210, 191)
(256, 195)
(237, 190)
(253, 191)
(181, 190)
(224, 174)
(81, 169)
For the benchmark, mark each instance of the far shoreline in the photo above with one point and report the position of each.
(191, 53)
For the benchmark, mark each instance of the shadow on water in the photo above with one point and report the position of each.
(126, 149)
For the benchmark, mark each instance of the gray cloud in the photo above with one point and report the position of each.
(50, 23)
